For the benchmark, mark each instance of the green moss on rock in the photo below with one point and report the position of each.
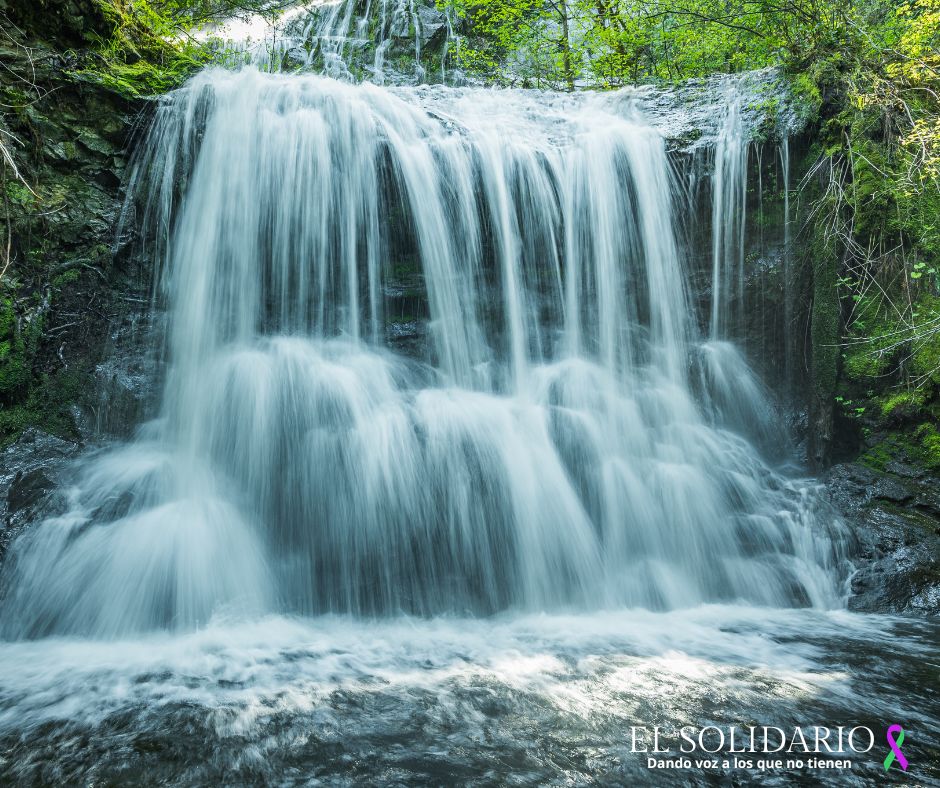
(929, 440)
(19, 340)
(865, 363)
(919, 448)
(903, 402)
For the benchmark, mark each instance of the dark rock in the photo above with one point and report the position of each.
(63, 22)
(31, 473)
(26, 489)
(895, 520)
(433, 26)
(891, 490)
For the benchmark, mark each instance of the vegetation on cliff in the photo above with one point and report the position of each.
(61, 145)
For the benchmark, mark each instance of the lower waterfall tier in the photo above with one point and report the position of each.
(320, 477)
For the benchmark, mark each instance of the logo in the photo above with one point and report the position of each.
(895, 748)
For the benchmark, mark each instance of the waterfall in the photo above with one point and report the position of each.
(788, 283)
(339, 37)
(729, 203)
(558, 437)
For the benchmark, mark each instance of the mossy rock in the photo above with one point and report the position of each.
(866, 363)
(67, 23)
(917, 449)
(903, 404)
(19, 339)
(929, 441)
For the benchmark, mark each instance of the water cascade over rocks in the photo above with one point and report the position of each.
(560, 435)
(460, 473)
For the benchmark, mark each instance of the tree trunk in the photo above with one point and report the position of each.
(825, 359)
(566, 46)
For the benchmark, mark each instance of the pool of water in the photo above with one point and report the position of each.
(517, 699)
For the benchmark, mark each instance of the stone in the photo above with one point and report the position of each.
(27, 489)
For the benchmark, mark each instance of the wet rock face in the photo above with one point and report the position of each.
(64, 22)
(31, 473)
(896, 516)
(70, 278)
(432, 24)
(27, 489)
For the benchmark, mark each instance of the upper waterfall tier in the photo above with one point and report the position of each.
(418, 42)
(557, 435)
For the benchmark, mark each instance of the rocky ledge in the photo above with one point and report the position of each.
(896, 516)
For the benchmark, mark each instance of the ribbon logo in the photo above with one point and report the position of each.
(895, 748)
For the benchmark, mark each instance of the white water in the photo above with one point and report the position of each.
(337, 36)
(538, 699)
(729, 202)
(564, 440)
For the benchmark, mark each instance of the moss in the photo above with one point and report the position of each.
(136, 80)
(876, 458)
(141, 54)
(66, 278)
(902, 402)
(865, 363)
(14, 368)
(48, 406)
(925, 361)
(892, 448)
(18, 343)
(20, 195)
(920, 448)
(13, 421)
(16, 358)
(895, 372)
(929, 440)
(807, 97)
(872, 338)
(7, 318)
(26, 397)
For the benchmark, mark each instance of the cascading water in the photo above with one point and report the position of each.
(549, 451)
(340, 35)
(787, 260)
(729, 202)
(337, 554)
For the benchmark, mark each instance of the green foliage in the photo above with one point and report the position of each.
(147, 46)
(866, 363)
(929, 439)
(29, 397)
(866, 71)
(808, 99)
(19, 194)
(872, 348)
(903, 402)
(46, 406)
(880, 214)
(19, 340)
(850, 408)
(925, 358)
(13, 420)
(616, 42)
(146, 52)
(532, 39)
